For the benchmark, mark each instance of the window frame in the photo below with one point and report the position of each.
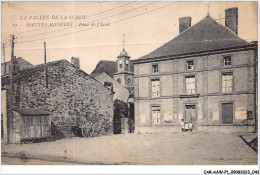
(154, 66)
(227, 61)
(195, 84)
(159, 116)
(187, 64)
(232, 88)
(159, 88)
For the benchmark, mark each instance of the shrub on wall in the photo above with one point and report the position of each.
(120, 109)
(120, 113)
(93, 125)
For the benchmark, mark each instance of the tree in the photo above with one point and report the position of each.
(94, 125)
(120, 111)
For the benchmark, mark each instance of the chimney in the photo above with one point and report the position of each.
(75, 62)
(231, 19)
(184, 23)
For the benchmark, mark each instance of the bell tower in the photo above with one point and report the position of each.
(124, 74)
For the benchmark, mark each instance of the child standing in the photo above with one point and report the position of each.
(182, 125)
(186, 126)
(190, 126)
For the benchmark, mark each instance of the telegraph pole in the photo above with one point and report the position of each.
(45, 61)
(255, 89)
(4, 58)
(11, 91)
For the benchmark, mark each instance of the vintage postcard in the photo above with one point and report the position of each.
(129, 83)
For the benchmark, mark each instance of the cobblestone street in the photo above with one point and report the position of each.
(196, 148)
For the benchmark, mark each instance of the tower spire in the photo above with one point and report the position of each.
(123, 41)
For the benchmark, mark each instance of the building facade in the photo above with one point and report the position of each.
(206, 75)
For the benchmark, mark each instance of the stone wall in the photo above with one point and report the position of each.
(71, 94)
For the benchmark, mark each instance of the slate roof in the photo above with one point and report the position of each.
(30, 111)
(206, 35)
(23, 64)
(109, 67)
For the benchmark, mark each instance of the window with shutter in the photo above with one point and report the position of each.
(156, 115)
(227, 82)
(156, 88)
(190, 85)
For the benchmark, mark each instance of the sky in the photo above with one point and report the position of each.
(146, 25)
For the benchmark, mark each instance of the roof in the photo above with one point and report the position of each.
(28, 71)
(123, 54)
(6, 79)
(23, 64)
(109, 67)
(36, 68)
(206, 35)
(30, 111)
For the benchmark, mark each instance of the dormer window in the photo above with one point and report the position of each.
(155, 69)
(227, 61)
(190, 65)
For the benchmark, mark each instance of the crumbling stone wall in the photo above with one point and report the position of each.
(71, 94)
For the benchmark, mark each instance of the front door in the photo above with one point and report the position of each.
(190, 113)
(227, 113)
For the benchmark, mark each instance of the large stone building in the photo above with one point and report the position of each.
(206, 75)
(63, 90)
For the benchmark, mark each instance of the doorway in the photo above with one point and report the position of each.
(227, 113)
(191, 114)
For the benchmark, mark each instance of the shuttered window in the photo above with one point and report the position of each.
(156, 88)
(156, 115)
(190, 85)
(227, 82)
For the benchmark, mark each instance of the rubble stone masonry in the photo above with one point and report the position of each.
(71, 94)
